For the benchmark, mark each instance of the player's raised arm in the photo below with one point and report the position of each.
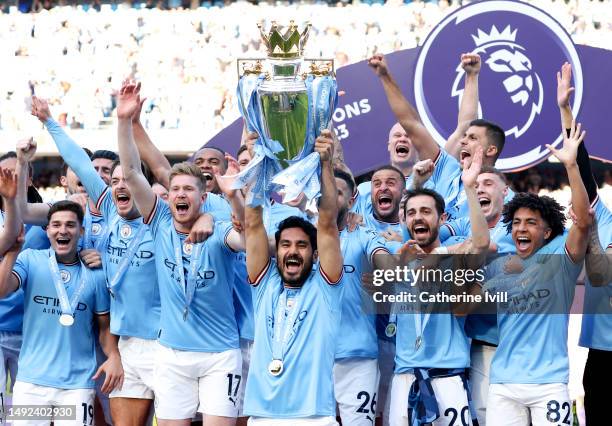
(479, 242)
(598, 262)
(328, 238)
(234, 239)
(468, 109)
(155, 160)
(75, 156)
(564, 92)
(577, 239)
(128, 102)
(8, 280)
(12, 218)
(31, 213)
(257, 250)
(405, 113)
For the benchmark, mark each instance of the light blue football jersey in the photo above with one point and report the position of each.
(135, 307)
(11, 307)
(461, 227)
(533, 322)
(483, 327)
(52, 354)
(36, 239)
(210, 325)
(597, 313)
(243, 299)
(358, 338)
(305, 388)
(443, 342)
(217, 206)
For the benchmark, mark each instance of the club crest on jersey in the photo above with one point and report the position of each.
(65, 276)
(521, 49)
(96, 229)
(126, 230)
(187, 248)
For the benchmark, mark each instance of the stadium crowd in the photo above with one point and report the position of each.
(181, 52)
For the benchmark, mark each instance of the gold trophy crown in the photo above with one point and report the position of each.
(287, 44)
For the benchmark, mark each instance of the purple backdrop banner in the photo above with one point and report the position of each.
(521, 47)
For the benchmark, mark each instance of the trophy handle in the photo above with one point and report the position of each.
(246, 66)
(320, 67)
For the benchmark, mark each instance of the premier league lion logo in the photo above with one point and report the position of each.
(521, 48)
(508, 65)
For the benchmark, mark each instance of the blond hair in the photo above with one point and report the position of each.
(188, 169)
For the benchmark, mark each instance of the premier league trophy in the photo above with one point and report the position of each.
(288, 109)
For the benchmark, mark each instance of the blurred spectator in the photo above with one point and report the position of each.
(74, 54)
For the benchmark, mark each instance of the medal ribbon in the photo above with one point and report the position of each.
(303, 173)
(190, 286)
(113, 285)
(283, 325)
(264, 165)
(87, 225)
(68, 306)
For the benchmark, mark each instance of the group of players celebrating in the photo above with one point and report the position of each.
(161, 284)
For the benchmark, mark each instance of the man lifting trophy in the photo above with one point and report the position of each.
(288, 109)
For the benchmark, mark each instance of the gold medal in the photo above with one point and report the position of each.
(275, 367)
(391, 329)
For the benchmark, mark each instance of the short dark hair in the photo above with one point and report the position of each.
(66, 205)
(493, 171)
(10, 154)
(103, 153)
(241, 150)
(350, 182)
(390, 167)
(438, 199)
(13, 154)
(143, 167)
(216, 148)
(495, 134)
(549, 209)
(297, 222)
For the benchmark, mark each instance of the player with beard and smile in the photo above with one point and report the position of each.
(297, 309)
(432, 349)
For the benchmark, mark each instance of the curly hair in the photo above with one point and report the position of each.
(549, 209)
